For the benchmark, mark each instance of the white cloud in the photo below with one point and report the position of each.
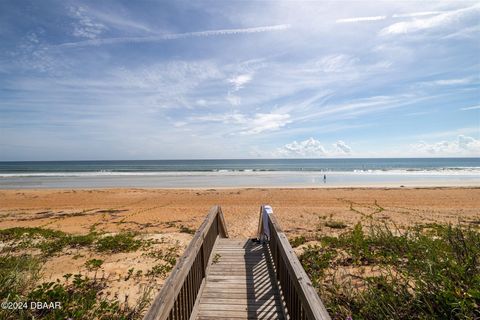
(462, 146)
(118, 21)
(240, 81)
(342, 147)
(85, 27)
(360, 19)
(201, 102)
(311, 148)
(234, 100)
(359, 107)
(175, 36)
(465, 33)
(179, 124)
(448, 82)
(470, 108)
(258, 123)
(448, 133)
(416, 14)
(34, 54)
(166, 75)
(266, 122)
(437, 21)
(336, 63)
(306, 148)
(235, 118)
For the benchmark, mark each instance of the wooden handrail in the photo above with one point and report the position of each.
(178, 296)
(301, 299)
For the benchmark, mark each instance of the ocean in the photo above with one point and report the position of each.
(241, 173)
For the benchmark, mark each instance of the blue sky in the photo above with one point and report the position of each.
(238, 79)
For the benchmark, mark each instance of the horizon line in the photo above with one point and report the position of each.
(220, 159)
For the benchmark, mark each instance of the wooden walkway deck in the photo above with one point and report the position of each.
(222, 278)
(240, 283)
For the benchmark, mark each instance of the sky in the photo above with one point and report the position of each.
(99, 80)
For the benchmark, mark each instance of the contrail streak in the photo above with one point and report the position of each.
(173, 36)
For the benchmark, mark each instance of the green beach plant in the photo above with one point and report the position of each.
(426, 272)
(121, 242)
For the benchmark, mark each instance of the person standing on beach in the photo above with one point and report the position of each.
(324, 178)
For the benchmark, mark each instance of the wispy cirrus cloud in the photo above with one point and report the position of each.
(437, 21)
(360, 19)
(448, 82)
(336, 63)
(117, 21)
(226, 90)
(358, 107)
(33, 53)
(263, 122)
(174, 36)
(464, 33)
(240, 81)
(416, 14)
(470, 108)
(246, 124)
(85, 26)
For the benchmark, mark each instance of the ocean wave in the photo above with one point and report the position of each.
(459, 171)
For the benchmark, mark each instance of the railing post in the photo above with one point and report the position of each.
(203, 261)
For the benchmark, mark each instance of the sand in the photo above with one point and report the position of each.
(150, 210)
(165, 214)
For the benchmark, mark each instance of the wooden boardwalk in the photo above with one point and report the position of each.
(222, 278)
(240, 283)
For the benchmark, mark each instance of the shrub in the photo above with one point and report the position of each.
(298, 241)
(50, 241)
(428, 272)
(17, 275)
(185, 229)
(122, 242)
(335, 224)
(93, 264)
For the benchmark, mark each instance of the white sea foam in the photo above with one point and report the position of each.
(460, 171)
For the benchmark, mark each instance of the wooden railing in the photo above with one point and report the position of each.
(178, 296)
(300, 297)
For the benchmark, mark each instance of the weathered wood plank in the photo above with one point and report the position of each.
(239, 295)
(246, 301)
(233, 314)
(241, 284)
(238, 292)
(237, 317)
(257, 308)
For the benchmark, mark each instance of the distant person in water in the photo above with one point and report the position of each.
(324, 178)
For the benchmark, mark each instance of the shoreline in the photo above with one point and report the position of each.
(243, 180)
(285, 187)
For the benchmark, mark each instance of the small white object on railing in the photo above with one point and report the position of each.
(266, 210)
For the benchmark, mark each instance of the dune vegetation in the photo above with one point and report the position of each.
(425, 272)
